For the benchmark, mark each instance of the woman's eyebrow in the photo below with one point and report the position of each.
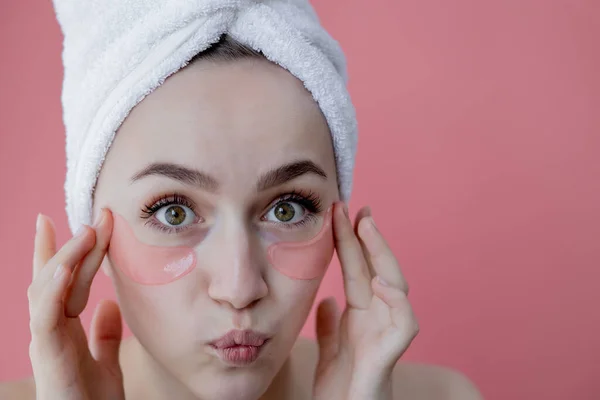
(287, 172)
(204, 181)
(189, 176)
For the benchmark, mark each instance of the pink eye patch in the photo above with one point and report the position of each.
(304, 260)
(159, 265)
(147, 264)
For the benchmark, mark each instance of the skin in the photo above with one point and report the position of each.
(187, 121)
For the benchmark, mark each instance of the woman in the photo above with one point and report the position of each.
(216, 218)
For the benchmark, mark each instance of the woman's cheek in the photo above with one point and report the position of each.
(159, 316)
(147, 281)
(298, 269)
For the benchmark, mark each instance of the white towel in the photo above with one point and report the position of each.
(118, 51)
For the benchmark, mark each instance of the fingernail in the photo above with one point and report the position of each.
(38, 222)
(372, 222)
(51, 222)
(382, 281)
(99, 218)
(60, 270)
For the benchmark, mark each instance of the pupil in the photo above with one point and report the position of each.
(284, 212)
(175, 215)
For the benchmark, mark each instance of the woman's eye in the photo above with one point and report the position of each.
(287, 212)
(175, 215)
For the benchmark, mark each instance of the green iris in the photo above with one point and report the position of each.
(175, 215)
(284, 212)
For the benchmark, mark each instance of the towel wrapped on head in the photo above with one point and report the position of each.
(118, 51)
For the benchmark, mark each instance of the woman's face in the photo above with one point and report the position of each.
(224, 161)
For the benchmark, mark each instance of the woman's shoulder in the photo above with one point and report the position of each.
(18, 390)
(411, 380)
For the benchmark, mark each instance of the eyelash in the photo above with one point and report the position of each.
(307, 199)
(150, 209)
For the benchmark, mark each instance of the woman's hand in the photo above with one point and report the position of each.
(358, 351)
(64, 367)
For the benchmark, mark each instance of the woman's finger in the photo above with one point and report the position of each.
(404, 326)
(47, 293)
(357, 279)
(363, 213)
(381, 257)
(44, 246)
(79, 290)
(47, 314)
(106, 333)
(70, 254)
(327, 331)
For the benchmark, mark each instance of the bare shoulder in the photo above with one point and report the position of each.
(18, 390)
(411, 381)
(432, 382)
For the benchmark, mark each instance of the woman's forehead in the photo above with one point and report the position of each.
(231, 119)
(211, 93)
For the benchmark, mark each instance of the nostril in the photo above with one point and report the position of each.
(253, 303)
(245, 305)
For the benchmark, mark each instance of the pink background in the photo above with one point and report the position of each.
(479, 147)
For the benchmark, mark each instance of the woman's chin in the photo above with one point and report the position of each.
(228, 383)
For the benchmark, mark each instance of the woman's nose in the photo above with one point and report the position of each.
(237, 273)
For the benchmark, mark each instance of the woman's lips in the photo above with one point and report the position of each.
(240, 347)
